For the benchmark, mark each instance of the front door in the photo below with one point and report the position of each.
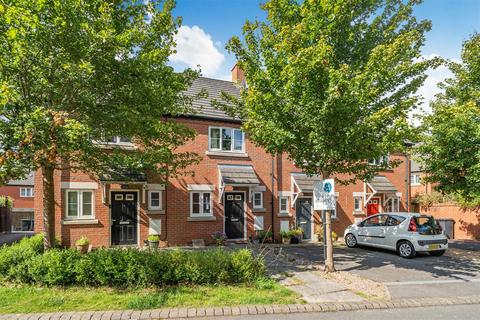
(124, 217)
(373, 206)
(304, 217)
(234, 215)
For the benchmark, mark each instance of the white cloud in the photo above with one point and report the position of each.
(195, 47)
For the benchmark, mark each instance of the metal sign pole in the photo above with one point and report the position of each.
(324, 234)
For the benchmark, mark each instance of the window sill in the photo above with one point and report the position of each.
(124, 146)
(358, 213)
(155, 211)
(211, 218)
(259, 210)
(227, 154)
(283, 215)
(79, 222)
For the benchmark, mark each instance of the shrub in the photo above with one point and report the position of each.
(153, 238)
(134, 268)
(83, 241)
(13, 258)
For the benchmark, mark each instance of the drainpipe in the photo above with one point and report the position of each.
(407, 144)
(273, 198)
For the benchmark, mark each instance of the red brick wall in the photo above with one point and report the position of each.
(14, 193)
(176, 227)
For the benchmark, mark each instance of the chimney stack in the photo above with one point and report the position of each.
(238, 75)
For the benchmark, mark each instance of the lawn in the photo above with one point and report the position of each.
(26, 299)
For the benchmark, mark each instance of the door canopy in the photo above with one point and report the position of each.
(236, 176)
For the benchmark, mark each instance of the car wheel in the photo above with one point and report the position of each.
(406, 250)
(350, 240)
(437, 253)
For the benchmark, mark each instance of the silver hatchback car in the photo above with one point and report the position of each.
(404, 232)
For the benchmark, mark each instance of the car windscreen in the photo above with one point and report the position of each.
(427, 225)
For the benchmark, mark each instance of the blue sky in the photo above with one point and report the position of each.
(208, 24)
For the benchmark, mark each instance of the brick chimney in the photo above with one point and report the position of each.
(238, 75)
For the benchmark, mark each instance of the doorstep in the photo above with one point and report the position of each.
(181, 313)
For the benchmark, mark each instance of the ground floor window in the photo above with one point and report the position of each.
(357, 203)
(392, 205)
(200, 204)
(155, 200)
(79, 204)
(283, 204)
(258, 200)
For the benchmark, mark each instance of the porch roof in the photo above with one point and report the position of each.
(238, 175)
(305, 182)
(381, 184)
(123, 176)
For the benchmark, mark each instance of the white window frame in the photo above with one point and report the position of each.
(359, 208)
(415, 179)
(150, 206)
(379, 161)
(201, 213)
(232, 146)
(395, 204)
(24, 193)
(117, 141)
(79, 215)
(260, 206)
(280, 204)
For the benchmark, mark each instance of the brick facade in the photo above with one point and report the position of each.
(22, 209)
(177, 228)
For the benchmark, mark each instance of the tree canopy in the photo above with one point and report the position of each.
(74, 73)
(450, 152)
(331, 83)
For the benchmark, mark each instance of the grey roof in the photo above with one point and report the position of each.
(214, 88)
(27, 181)
(382, 184)
(238, 175)
(305, 182)
(415, 167)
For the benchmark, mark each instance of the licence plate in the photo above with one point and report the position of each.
(433, 246)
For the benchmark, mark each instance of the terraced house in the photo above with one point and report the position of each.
(237, 189)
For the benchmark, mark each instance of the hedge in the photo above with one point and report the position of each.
(26, 262)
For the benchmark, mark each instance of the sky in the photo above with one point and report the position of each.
(209, 24)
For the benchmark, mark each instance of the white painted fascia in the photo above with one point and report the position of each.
(79, 185)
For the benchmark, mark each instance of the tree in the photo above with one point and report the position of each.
(331, 83)
(450, 153)
(75, 72)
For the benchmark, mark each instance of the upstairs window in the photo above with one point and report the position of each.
(118, 140)
(26, 192)
(379, 161)
(415, 180)
(226, 139)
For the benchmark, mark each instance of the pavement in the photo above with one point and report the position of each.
(460, 312)
(299, 311)
(9, 238)
(456, 273)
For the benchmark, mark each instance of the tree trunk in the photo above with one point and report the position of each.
(327, 224)
(48, 207)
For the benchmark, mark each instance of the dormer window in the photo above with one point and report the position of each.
(226, 139)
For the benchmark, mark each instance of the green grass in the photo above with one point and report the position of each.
(26, 299)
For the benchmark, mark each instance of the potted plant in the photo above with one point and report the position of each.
(219, 238)
(286, 235)
(319, 233)
(334, 236)
(82, 244)
(264, 236)
(153, 241)
(296, 235)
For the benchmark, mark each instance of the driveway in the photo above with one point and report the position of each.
(9, 238)
(457, 273)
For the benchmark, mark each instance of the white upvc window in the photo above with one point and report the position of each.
(283, 203)
(357, 203)
(26, 192)
(154, 200)
(415, 179)
(226, 139)
(79, 204)
(395, 204)
(379, 161)
(118, 140)
(201, 204)
(258, 200)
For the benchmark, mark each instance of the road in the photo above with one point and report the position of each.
(461, 312)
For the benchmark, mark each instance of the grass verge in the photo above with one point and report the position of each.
(27, 299)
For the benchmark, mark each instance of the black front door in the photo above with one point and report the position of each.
(124, 217)
(304, 217)
(234, 215)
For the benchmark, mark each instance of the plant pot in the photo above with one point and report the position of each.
(286, 240)
(153, 244)
(82, 248)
